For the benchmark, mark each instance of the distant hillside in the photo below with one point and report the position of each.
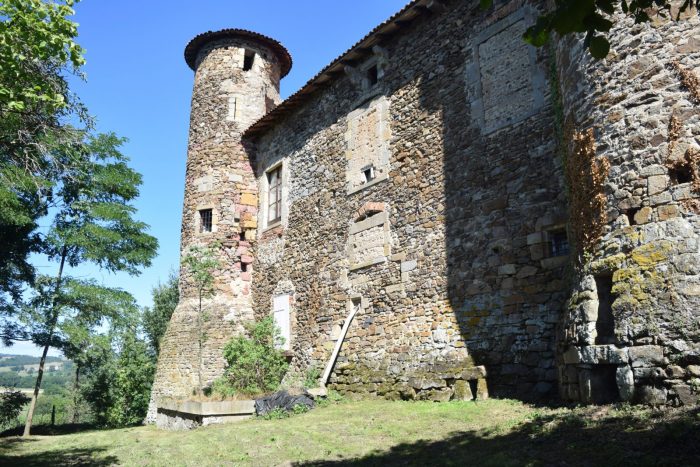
(7, 359)
(19, 371)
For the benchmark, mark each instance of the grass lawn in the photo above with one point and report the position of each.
(374, 432)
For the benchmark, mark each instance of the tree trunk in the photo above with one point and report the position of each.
(199, 341)
(76, 397)
(52, 325)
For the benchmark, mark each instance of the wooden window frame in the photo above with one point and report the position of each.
(274, 195)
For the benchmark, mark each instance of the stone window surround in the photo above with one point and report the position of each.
(473, 70)
(374, 219)
(263, 198)
(374, 100)
(214, 219)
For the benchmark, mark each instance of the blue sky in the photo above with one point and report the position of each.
(139, 87)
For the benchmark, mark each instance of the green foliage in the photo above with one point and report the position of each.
(36, 47)
(222, 388)
(84, 306)
(594, 17)
(299, 409)
(311, 377)
(277, 413)
(156, 319)
(117, 385)
(132, 382)
(255, 364)
(37, 53)
(201, 263)
(11, 404)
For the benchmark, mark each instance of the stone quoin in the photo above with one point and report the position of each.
(426, 180)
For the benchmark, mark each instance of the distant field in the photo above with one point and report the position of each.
(382, 433)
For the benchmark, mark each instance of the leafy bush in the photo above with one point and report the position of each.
(332, 397)
(255, 364)
(275, 414)
(11, 404)
(311, 377)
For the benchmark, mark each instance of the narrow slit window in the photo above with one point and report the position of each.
(368, 174)
(372, 75)
(274, 195)
(248, 59)
(244, 267)
(205, 220)
(558, 243)
(605, 324)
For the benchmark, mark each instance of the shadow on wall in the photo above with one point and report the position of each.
(504, 202)
(584, 439)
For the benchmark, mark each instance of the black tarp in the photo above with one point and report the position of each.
(282, 400)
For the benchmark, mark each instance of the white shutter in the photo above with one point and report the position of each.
(280, 306)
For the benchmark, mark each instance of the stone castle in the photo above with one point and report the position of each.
(493, 214)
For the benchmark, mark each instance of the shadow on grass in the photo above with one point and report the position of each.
(60, 457)
(582, 437)
(48, 430)
(11, 441)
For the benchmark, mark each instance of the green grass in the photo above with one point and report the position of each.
(374, 432)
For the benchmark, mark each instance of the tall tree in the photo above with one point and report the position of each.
(92, 223)
(37, 53)
(201, 263)
(156, 318)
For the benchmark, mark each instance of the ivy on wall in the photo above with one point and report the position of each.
(585, 177)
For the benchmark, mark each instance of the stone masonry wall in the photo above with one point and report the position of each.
(448, 256)
(631, 328)
(226, 100)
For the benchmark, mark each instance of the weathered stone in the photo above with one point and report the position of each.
(436, 395)
(595, 354)
(685, 394)
(482, 390)
(462, 391)
(426, 383)
(625, 382)
(643, 215)
(646, 356)
(651, 395)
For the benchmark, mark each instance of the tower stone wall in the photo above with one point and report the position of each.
(631, 328)
(236, 82)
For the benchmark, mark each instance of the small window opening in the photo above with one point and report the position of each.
(368, 174)
(248, 59)
(244, 267)
(241, 235)
(274, 195)
(558, 243)
(373, 75)
(680, 174)
(205, 220)
(630, 213)
(605, 324)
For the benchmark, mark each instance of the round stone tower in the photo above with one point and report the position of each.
(237, 76)
(631, 126)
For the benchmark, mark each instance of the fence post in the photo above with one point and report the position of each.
(53, 415)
